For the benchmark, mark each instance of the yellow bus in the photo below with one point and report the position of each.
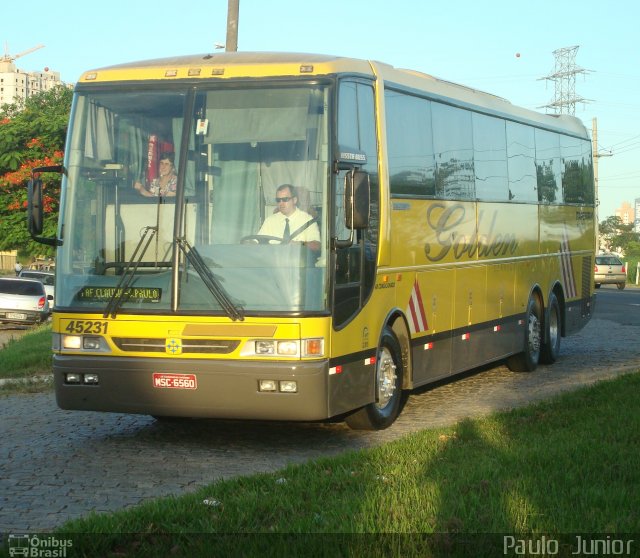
(434, 228)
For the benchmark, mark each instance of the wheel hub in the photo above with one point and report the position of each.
(386, 378)
(534, 333)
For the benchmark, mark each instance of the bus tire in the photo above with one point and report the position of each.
(527, 360)
(384, 410)
(550, 348)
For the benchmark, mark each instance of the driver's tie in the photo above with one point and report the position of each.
(287, 232)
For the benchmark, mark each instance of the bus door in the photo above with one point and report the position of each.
(354, 248)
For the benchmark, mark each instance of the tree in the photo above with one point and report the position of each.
(32, 134)
(632, 257)
(617, 236)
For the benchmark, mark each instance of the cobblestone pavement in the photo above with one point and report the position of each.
(57, 465)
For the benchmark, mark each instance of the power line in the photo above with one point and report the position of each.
(625, 141)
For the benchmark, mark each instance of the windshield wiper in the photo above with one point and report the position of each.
(121, 291)
(209, 279)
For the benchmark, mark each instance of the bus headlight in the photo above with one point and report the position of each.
(313, 347)
(272, 347)
(265, 347)
(288, 348)
(93, 343)
(71, 341)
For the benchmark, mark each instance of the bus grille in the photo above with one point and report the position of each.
(191, 346)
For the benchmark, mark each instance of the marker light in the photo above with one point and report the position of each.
(313, 347)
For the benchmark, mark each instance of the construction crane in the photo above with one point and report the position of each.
(11, 57)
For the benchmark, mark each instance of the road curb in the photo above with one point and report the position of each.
(38, 379)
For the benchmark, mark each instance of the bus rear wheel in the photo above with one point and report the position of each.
(552, 332)
(388, 388)
(527, 360)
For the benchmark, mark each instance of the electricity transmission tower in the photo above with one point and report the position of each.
(564, 78)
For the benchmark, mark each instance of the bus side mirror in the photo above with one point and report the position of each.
(35, 208)
(357, 204)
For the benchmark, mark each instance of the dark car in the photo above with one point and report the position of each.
(609, 270)
(23, 301)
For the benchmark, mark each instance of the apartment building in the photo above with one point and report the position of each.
(626, 213)
(18, 84)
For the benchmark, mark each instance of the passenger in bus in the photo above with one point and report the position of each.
(291, 223)
(166, 182)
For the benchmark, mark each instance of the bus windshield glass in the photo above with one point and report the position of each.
(196, 201)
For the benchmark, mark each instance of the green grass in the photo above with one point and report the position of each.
(563, 466)
(28, 356)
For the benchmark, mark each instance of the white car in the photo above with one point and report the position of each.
(609, 269)
(23, 301)
(45, 277)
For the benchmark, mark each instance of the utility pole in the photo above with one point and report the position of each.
(594, 140)
(596, 157)
(232, 25)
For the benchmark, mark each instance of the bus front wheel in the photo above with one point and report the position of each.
(527, 360)
(388, 388)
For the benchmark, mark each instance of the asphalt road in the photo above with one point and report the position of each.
(57, 465)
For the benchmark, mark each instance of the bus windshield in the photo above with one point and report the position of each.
(177, 200)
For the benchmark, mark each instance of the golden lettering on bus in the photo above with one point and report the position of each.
(445, 222)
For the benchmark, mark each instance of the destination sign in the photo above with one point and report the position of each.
(131, 294)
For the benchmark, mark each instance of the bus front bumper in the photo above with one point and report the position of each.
(193, 388)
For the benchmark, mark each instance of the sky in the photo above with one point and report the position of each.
(502, 47)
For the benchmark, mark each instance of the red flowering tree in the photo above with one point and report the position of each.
(32, 134)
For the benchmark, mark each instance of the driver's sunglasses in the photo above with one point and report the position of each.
(285, 199)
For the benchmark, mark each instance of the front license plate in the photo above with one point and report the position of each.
(16, 316)
(175, 381)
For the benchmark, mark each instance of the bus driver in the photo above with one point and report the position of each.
(290, 223)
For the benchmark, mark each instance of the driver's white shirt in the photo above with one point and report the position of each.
(274, 226)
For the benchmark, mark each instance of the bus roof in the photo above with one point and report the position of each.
(245, 65)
